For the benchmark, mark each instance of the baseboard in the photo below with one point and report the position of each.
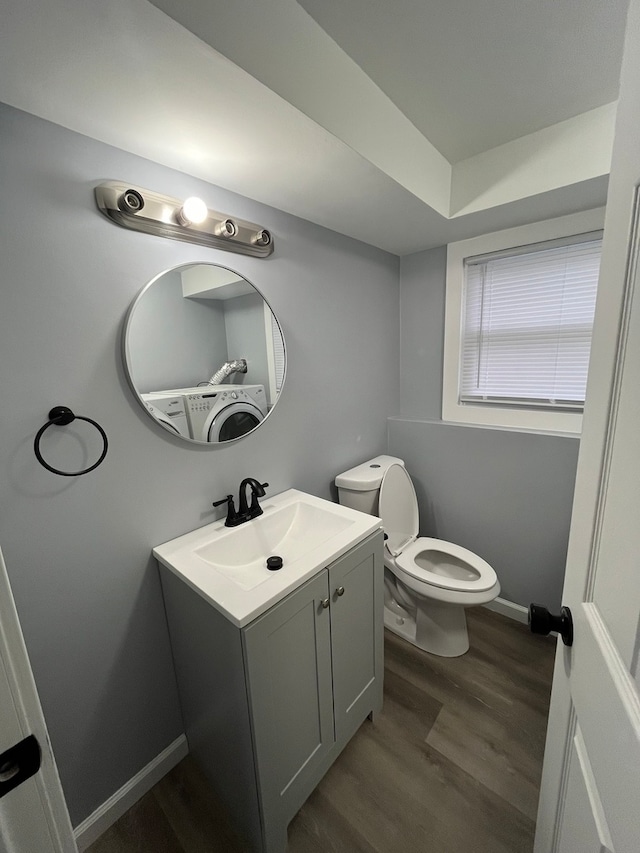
(109, 812)
(508, 608)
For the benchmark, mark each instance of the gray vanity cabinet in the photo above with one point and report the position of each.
(269, 707)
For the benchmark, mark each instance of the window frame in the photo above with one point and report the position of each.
(493, 414)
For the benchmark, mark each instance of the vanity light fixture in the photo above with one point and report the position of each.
(190, 220)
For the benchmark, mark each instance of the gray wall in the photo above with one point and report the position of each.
(174, 342)
(78, 549)
(505, 495)
(246, 338)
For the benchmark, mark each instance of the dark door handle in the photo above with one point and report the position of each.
(543, 622)
(19, 763)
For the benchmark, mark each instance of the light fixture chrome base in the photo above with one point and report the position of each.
(143, 210)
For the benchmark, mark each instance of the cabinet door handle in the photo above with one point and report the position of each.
(325, 603)
(340, 590)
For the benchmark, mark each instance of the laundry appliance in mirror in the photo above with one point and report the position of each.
(204, 353)
(223, 412)
(170, 411)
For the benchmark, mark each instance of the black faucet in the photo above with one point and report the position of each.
(257, 491)
(245, 511)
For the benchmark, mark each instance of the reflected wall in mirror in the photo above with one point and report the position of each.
(204, 353)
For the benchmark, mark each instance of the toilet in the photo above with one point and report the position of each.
(428, 582)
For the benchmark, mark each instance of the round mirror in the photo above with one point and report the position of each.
(204, 353)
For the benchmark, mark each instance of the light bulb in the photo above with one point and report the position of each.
(193, 211)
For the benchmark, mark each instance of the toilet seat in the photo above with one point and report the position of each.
(459, 559)
(457, 568)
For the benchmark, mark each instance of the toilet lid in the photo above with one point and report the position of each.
(398, 508)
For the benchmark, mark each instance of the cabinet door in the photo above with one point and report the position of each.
(357, 634)
(288, 665)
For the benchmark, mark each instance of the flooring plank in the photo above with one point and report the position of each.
(320, 827)
(399, 788)
(485, 749)
(187, 793)
(141, 829)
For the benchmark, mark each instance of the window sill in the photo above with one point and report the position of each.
(522, 420)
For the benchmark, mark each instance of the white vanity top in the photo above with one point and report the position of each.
(227, 565)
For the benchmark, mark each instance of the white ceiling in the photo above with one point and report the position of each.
(356, 121)
(473, 74)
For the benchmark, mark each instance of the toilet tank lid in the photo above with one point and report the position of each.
(368, 475)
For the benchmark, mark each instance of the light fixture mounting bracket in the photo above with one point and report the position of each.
(143, 210)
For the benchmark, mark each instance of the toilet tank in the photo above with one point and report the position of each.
(359, 487)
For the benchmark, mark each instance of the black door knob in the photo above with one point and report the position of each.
(543, 622)
(18, 764)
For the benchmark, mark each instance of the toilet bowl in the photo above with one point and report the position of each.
(428, 582)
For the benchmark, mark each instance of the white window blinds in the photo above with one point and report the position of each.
(527, 322)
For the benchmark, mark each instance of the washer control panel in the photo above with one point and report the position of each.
(205, 401)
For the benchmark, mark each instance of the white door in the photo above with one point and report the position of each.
(33, 815)
(590, 796)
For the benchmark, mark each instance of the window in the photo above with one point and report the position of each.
(519, 319)
(527, 320)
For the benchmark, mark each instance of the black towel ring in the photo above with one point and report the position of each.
(61, 416)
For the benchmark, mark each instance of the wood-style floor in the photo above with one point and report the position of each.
(451, 765)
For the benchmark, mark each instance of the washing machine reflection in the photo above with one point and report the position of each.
(223, 412)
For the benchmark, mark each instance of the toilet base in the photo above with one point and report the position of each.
(436, 627)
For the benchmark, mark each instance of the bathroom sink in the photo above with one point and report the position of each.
(288, 531)
(228, 566)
